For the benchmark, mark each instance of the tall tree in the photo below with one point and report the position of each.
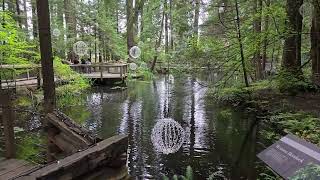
(166, 27)
(46, 61)
(257, 30)
(196, 19)
(70, 18)
(315, 43)
(265, 39)
(292, 46)
(130, 24)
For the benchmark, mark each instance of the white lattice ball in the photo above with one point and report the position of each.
(133, 66)
(56, 32)
(135, 52)
(80, 48)
(167, 136)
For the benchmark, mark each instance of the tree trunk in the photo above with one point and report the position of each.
(158, 43)
(18, 13)
(171, 26)
(34, 19)
(46, 54)
(46, 63)
(25, 18)
(166, 27)
(292, 46)
(245, 76)
(315, 43)
(196, 20)
(257, 31)
(130, 25)
(70, 18)
(265, 40)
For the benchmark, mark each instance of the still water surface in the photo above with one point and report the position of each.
(220, 143)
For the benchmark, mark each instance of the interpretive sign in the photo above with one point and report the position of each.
(293, 158)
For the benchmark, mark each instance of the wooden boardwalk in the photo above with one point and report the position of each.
(10, 168)
(78, 153)
(32, 75)
(105, 154)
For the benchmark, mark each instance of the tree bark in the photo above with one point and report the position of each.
(46, 55)
(292, 46)
(196, 20)
(257, 31)
(70, 18)
(245, 76)
(166, 27)
(265, 40)
(171, 26)
(315, 43)
(25, 18)
(130, 25)
(158, 43)
(47, 64)
(34, 19)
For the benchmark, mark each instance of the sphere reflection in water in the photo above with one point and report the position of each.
(167, 136)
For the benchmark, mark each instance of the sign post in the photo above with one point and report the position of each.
(293, 158)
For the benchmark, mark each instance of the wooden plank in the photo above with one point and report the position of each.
(17, 171)
(10, 165)
(74, 137)
(83, 162)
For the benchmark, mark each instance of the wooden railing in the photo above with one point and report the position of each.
(11, 75)
(26, 75)
(102, 70)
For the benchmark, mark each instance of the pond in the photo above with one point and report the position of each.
(218, 143)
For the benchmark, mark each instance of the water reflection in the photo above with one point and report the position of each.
(218, 140)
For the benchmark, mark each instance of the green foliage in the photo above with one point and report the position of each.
(15, 50)
(30, 146)
(188, 175)
(310, 172)
(76, 84)
(301, 124)
(293, 83)
(232, 96)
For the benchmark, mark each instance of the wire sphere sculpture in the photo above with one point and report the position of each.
(144, 65)
(56, 32)
(133, 66)
(167, 136)
(135, 52)
(306, 9)
(80, 48)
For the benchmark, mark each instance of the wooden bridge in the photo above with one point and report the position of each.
(13, 76)
(85, 156)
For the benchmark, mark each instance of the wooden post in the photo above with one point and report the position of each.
(101, 73)
(8, 121)
(121, 71)
(28, 75)
(39, 77)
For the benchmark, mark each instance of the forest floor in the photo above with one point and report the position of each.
(275, 101)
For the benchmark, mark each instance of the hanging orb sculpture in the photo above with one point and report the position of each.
(80, 48)
(56, 32)
(167, 136)
(133, 66)
(306, 10)
(135, 52)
